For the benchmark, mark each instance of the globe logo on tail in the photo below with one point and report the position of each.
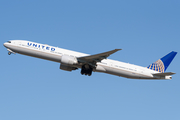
(157, 66)
(162, 64)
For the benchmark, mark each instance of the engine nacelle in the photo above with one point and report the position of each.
(67, 68)
(69, 60)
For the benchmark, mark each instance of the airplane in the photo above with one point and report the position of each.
(71, 60)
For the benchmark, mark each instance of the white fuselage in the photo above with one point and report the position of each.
(51, 53)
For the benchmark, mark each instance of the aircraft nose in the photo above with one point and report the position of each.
(5, 44)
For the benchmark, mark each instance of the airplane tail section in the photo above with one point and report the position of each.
(162, 64)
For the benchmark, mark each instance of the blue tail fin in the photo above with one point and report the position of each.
(162, 64)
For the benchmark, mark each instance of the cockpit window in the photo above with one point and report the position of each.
(9, 41)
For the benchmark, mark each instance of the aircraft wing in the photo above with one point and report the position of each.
(164, 74)
(93, 59)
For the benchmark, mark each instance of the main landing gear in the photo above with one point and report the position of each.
(86, 69)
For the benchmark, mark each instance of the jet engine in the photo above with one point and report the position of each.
(67, 68)
(68, 60)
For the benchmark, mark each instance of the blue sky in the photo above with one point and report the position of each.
(32, 88)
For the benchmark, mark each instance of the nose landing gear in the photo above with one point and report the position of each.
(9, 53)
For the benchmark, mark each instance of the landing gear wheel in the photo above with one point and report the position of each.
(82, 72)
(9, 53)
(90, 73)
(87, 70)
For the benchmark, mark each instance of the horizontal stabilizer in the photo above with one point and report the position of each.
(164, 74)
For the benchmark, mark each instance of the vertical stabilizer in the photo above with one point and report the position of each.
(162, 64)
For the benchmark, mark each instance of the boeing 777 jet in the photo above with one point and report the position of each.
(71, 60)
